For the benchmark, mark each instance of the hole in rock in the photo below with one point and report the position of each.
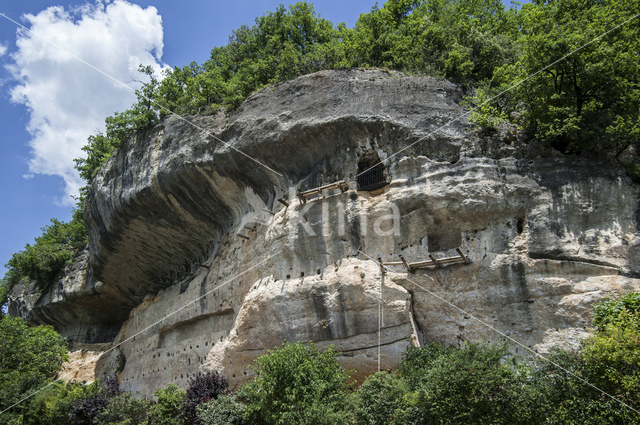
(520, 225)
(372, 173)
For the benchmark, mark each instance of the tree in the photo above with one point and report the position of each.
(201, 390)
(166, 411)
(609, 360)
(462, 40)
(380, 398)
(30, 358)
(51, 406)
(295, 384)
(85, 410)
(124, 409)
(225, 410)
(52, 250)
(477, 384)
(588, 99)
(612, 355)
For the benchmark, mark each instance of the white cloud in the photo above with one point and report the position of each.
(3, 49)
(68, 100)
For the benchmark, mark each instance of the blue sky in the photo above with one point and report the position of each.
(51, 102)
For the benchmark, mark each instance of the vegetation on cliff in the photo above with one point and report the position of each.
(475, 384)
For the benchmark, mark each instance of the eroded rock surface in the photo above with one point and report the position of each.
(546, 237)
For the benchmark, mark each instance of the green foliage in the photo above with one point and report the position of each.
(296, 384)
(474, 385)
(225, 410)
(52, 250)
(99, 148)
(125, 409)
(612, 356)
(30, 357)
(51, 406)
(120, 127)
(589, 99)
(609, 360)
(379, 398)
(462, 40)
(609, 310)
(85, 410)
(166, 411)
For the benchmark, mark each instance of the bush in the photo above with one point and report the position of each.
(201, 390)
(124, 409)
(296, 384)
(50, 253)
(474, 385)
(86, 410)
(225, 410)
(379, 397)
(51, 406)
(30, 358)
(608, 311)
(166, 411)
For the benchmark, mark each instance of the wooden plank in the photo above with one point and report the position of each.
(283, 202)
(421, 264)
(440, 262)
(466, 260)
(244, 236)
(253, 229)
(451, 261)
(332, 185)
(269, 211)
(434, 260)
(394, 263)
(318, 190)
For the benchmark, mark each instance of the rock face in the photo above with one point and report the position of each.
(78, 306)
(206, 279)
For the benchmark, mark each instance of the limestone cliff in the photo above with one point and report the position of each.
(177, 227)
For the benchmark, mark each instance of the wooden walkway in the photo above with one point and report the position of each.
(432, 262)
(319, 191)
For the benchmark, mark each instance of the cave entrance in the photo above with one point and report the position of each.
(372, 173)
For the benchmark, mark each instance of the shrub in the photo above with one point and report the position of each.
(85, 411)
(201, 390)
(50, 253)
(51, 406)
(225, 410)
(166, 411)
(124, 409)
(379, 397)
(608, 311)
(30, 358)
(296, 384)
(473, 385)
